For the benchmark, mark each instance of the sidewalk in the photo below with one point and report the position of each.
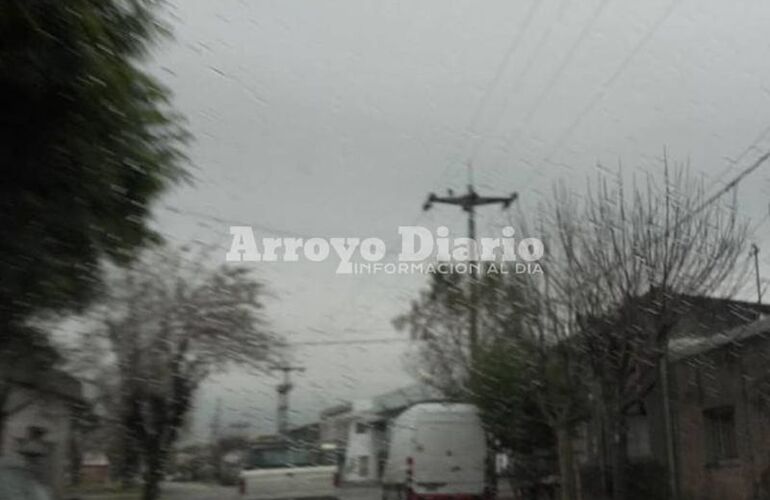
(169, 491)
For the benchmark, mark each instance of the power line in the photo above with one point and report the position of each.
(599, 95)
(502, 67)
(267, 229)
(567, 59)
(556, 76)
(713, 198)
(516, 42)
(223, 221)
(488, 91)
(468, 203)
(516, 87)
(611, 80)
(733, 162)
(497, 77)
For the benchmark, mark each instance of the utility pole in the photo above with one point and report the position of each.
(283, 389)
(216, 430)
(216, 422)
(755, 253)
(468, 202)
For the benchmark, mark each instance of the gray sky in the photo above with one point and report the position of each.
(325, 118)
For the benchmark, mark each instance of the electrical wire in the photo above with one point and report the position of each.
(599, 95)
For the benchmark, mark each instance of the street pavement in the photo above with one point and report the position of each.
(199, 491)
(360, 493)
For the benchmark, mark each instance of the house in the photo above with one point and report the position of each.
(367, 430)
(704, 434)
(95, 468)
(720, 406)
(334, 423)
(43, 411)
(366, 448)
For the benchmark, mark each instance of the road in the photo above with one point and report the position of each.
(198, 491)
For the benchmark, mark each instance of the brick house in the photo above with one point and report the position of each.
(95, 468)
(719, 361)
(720, 395)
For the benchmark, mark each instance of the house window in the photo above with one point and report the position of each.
(720, 434)
(363, 466)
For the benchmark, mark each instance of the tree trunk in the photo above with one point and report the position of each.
(76, 458)
(619, 452)
(2, 433)
(566, 461)
(151, 488)
(603, 446)
(153, 472)
(128, 468)
(4, 397)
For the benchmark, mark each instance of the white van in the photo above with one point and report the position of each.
(437, 451)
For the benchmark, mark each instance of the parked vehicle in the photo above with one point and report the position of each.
(17, 483)
(437, 451)
(283, 471)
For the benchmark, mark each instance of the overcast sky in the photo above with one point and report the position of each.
(336, 118)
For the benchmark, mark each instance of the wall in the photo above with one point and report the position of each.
(726, 379)
(50, 413)
(726, 376)
(334, 428)
(365, 443)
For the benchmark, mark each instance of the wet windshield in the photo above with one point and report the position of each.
(385, 250)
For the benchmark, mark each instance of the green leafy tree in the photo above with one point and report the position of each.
(87, 142)
(505, 391)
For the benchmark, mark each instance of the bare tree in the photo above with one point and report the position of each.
(169, 321)
(623, 262)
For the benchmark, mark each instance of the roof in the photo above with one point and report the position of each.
(443, 408)
(688, 346)
(336, 410)
(304, 428)
(94, 459)
(51, 381)
(700, 315)
(404, 397)
(711, 315)
(735, 305)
